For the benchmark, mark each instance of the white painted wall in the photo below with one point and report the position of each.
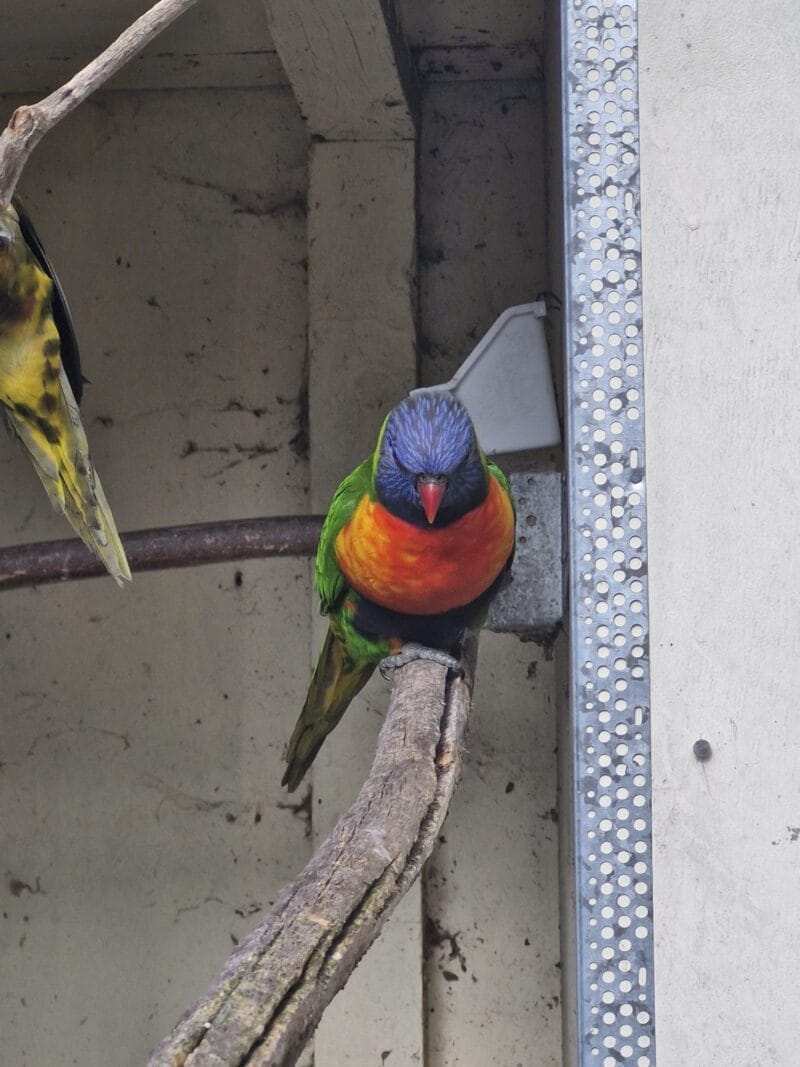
(141, 729)
(721, 148)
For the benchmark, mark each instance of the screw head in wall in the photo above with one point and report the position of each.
(702, 750)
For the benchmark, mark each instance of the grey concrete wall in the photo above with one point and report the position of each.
(719, 163)
(453, 23)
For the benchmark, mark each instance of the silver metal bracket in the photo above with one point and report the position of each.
(506, 384)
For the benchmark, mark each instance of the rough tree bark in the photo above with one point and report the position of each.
(30, 123)
(271, 994)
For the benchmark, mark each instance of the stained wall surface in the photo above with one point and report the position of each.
(143, 828)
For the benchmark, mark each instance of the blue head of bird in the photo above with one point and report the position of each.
(429, 468)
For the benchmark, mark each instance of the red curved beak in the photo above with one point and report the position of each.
(431, 491)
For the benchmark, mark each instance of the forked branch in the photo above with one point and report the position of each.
(271, 994)
(30, 123)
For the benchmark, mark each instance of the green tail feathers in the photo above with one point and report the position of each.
(337, 680)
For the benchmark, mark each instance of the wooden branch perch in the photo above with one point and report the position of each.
(272, 992)
(30, 123)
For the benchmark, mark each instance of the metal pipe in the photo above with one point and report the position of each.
(164, 549)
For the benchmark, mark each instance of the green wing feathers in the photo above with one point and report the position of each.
(339, 675)
(499, 476)
(328, 579)
(337, 680)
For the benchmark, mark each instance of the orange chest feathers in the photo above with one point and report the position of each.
(427, 571)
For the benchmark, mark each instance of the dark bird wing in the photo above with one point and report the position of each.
(336, 682)
(70, 354)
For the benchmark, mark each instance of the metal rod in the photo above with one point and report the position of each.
(608, 960)
(164, 549)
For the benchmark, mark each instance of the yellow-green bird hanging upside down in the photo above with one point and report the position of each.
(41, 384)
(414, 546)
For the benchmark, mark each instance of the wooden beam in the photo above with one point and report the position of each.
(348, 66)
(362, 359)
(348, 69)
(173, 70)
(261, 69)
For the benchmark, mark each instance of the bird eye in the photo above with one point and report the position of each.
(467, 458)
(5, 241)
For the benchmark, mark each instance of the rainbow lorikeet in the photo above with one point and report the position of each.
(41, 386)
(414, 546)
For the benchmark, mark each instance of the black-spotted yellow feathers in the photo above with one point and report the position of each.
(39, 402)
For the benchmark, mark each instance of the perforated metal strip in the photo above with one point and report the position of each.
(609, 692)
